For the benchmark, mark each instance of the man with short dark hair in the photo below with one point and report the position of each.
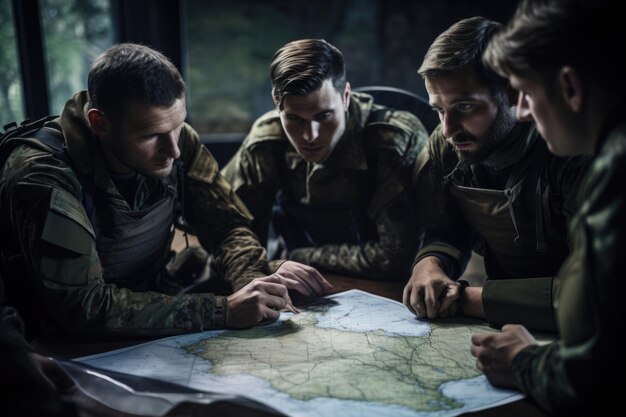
(336, 162)
(566, 57)
(497, 188)
(89, 202)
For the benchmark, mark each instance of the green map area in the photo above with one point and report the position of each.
(306, 361)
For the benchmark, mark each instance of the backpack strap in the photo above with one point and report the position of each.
(16, 135)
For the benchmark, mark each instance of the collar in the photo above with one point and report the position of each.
(79, 137)
(82, 145)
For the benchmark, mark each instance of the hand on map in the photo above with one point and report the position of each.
(430, 293)
(262, 299)
(304, 279)
(495, 351)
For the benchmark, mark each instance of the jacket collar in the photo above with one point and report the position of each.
(82, 145)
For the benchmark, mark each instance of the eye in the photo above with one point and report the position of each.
(323, 116)
(293, 119)
(465, 107)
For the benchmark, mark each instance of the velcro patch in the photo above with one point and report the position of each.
(67, 224)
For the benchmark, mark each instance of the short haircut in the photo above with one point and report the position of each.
(460, 48)
(545, 35)
(127, 72)
(301, 67)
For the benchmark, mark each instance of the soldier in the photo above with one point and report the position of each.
(555, 53)
(336, 163)
(498, 190)
(88, 203)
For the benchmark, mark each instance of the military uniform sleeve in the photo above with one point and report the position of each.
(526, 301)
(585, 369)
(540, 372)
(42, 200)
(253, 175)
(390, 256)
(446, 234)
(219, 217)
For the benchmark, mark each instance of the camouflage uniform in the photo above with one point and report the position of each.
(513, 209)
(67, 221)
(587, 366)
(349, 214)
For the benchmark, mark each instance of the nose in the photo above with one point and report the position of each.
(450, 124)
(170, 145)
(311, 131)
(523, 109)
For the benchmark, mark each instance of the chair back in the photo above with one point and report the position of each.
(400, 99)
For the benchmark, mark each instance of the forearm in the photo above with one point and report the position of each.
(223, 228)
(526, 301)
(539, 371)
(99, 309)
(371, 260)
(153, 314)
(450, 240)
(241, 257)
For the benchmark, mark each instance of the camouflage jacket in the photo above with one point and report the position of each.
(521, 231)
(582, 372)
(42, 209)
(351, 209)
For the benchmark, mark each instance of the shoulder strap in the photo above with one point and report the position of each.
(52, 138)
(16, 135)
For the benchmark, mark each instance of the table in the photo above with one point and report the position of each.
(393, 290)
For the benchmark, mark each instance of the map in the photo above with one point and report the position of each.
(347, 354)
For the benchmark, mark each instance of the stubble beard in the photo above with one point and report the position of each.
(502, 125)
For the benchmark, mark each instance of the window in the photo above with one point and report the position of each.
(75, 32)
(11, 90)
(230, 44)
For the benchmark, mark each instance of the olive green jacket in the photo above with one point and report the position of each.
(583, 372)
(367, 172)
(41, 209)
(523, 248)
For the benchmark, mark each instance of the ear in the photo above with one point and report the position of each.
(571, 88)
(274, 99)
(346, 96)
(100, 125)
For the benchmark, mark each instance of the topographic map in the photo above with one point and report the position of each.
(348, 354)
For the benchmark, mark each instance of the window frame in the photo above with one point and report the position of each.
(155, 23)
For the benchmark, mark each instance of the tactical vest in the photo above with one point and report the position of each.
(133, 246)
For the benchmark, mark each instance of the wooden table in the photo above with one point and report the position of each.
(392, 290)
